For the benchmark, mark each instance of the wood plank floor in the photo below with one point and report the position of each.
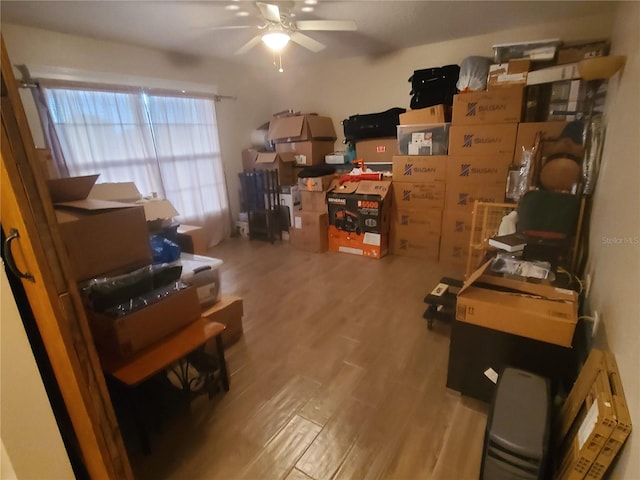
(336, 377)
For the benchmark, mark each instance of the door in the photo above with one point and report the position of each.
(40, 259)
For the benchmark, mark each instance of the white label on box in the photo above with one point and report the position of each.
(298, 223)
(355, 251)
(301, 159)
(588, 424)
(371, 239)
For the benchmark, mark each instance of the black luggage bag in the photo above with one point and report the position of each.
(372, 125)
(434, 78)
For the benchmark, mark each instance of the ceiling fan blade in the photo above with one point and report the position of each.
(269, 11)
(228, 27)
(307, 42)
(249, 45)
(334, 25)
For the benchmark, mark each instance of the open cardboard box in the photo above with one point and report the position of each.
(154, 209)
(299, 128)
(531, 310)
(93, 230)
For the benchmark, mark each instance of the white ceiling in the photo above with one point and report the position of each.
(183, 27)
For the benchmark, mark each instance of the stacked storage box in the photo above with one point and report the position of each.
(308, 230)
(419, 189)
(307, 137)
(481, 148)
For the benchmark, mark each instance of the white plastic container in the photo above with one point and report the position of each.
(204, 274)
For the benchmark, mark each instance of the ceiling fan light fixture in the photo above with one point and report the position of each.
(276, 41)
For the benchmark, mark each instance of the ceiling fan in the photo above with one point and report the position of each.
(279, 27)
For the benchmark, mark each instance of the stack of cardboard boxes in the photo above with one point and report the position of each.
(308, 230)
(419, 192)
(481, 147)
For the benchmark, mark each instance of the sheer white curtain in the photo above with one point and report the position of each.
(165, 144)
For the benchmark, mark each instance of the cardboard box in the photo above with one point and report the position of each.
(434, 114)
(283, 162)
(489, 139)
(309, 231)
(424, 139)
(463, 194)
(228, 311)
(155, 209)
(456, 225)
(315, 184)
(487, 169)
(359, 217)
(197, 237)
(576, 51)
(527, 135)
(419, 195)
(508, 74)
(503, 105)
(299, 128)
(377, 150)
(454, 251)
(414, 241)
(417, 168)
(94, 230)
(311, 152)
(553, 74)
(429, 220)
(313, 201)
(531, 310)
(594, 421)
(126, 335)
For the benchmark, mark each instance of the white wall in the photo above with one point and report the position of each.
(236, 118)
(31, 441)
(365, 85)
(614, 255)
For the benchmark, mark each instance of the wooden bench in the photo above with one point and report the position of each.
(133, 371)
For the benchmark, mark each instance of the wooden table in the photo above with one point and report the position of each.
(133, 371)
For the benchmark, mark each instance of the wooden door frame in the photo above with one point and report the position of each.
(53, 294)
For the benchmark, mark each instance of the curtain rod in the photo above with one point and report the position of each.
(216, 97)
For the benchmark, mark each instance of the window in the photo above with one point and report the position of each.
(165, 143)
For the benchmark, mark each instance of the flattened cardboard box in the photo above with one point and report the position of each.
(501, 105)
(299, 128)
(537, 311)
(488, 139)
(93, 230)
(419, 168)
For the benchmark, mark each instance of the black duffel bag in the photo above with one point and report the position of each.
(439, 96)
(434, 78)
(372, 125)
